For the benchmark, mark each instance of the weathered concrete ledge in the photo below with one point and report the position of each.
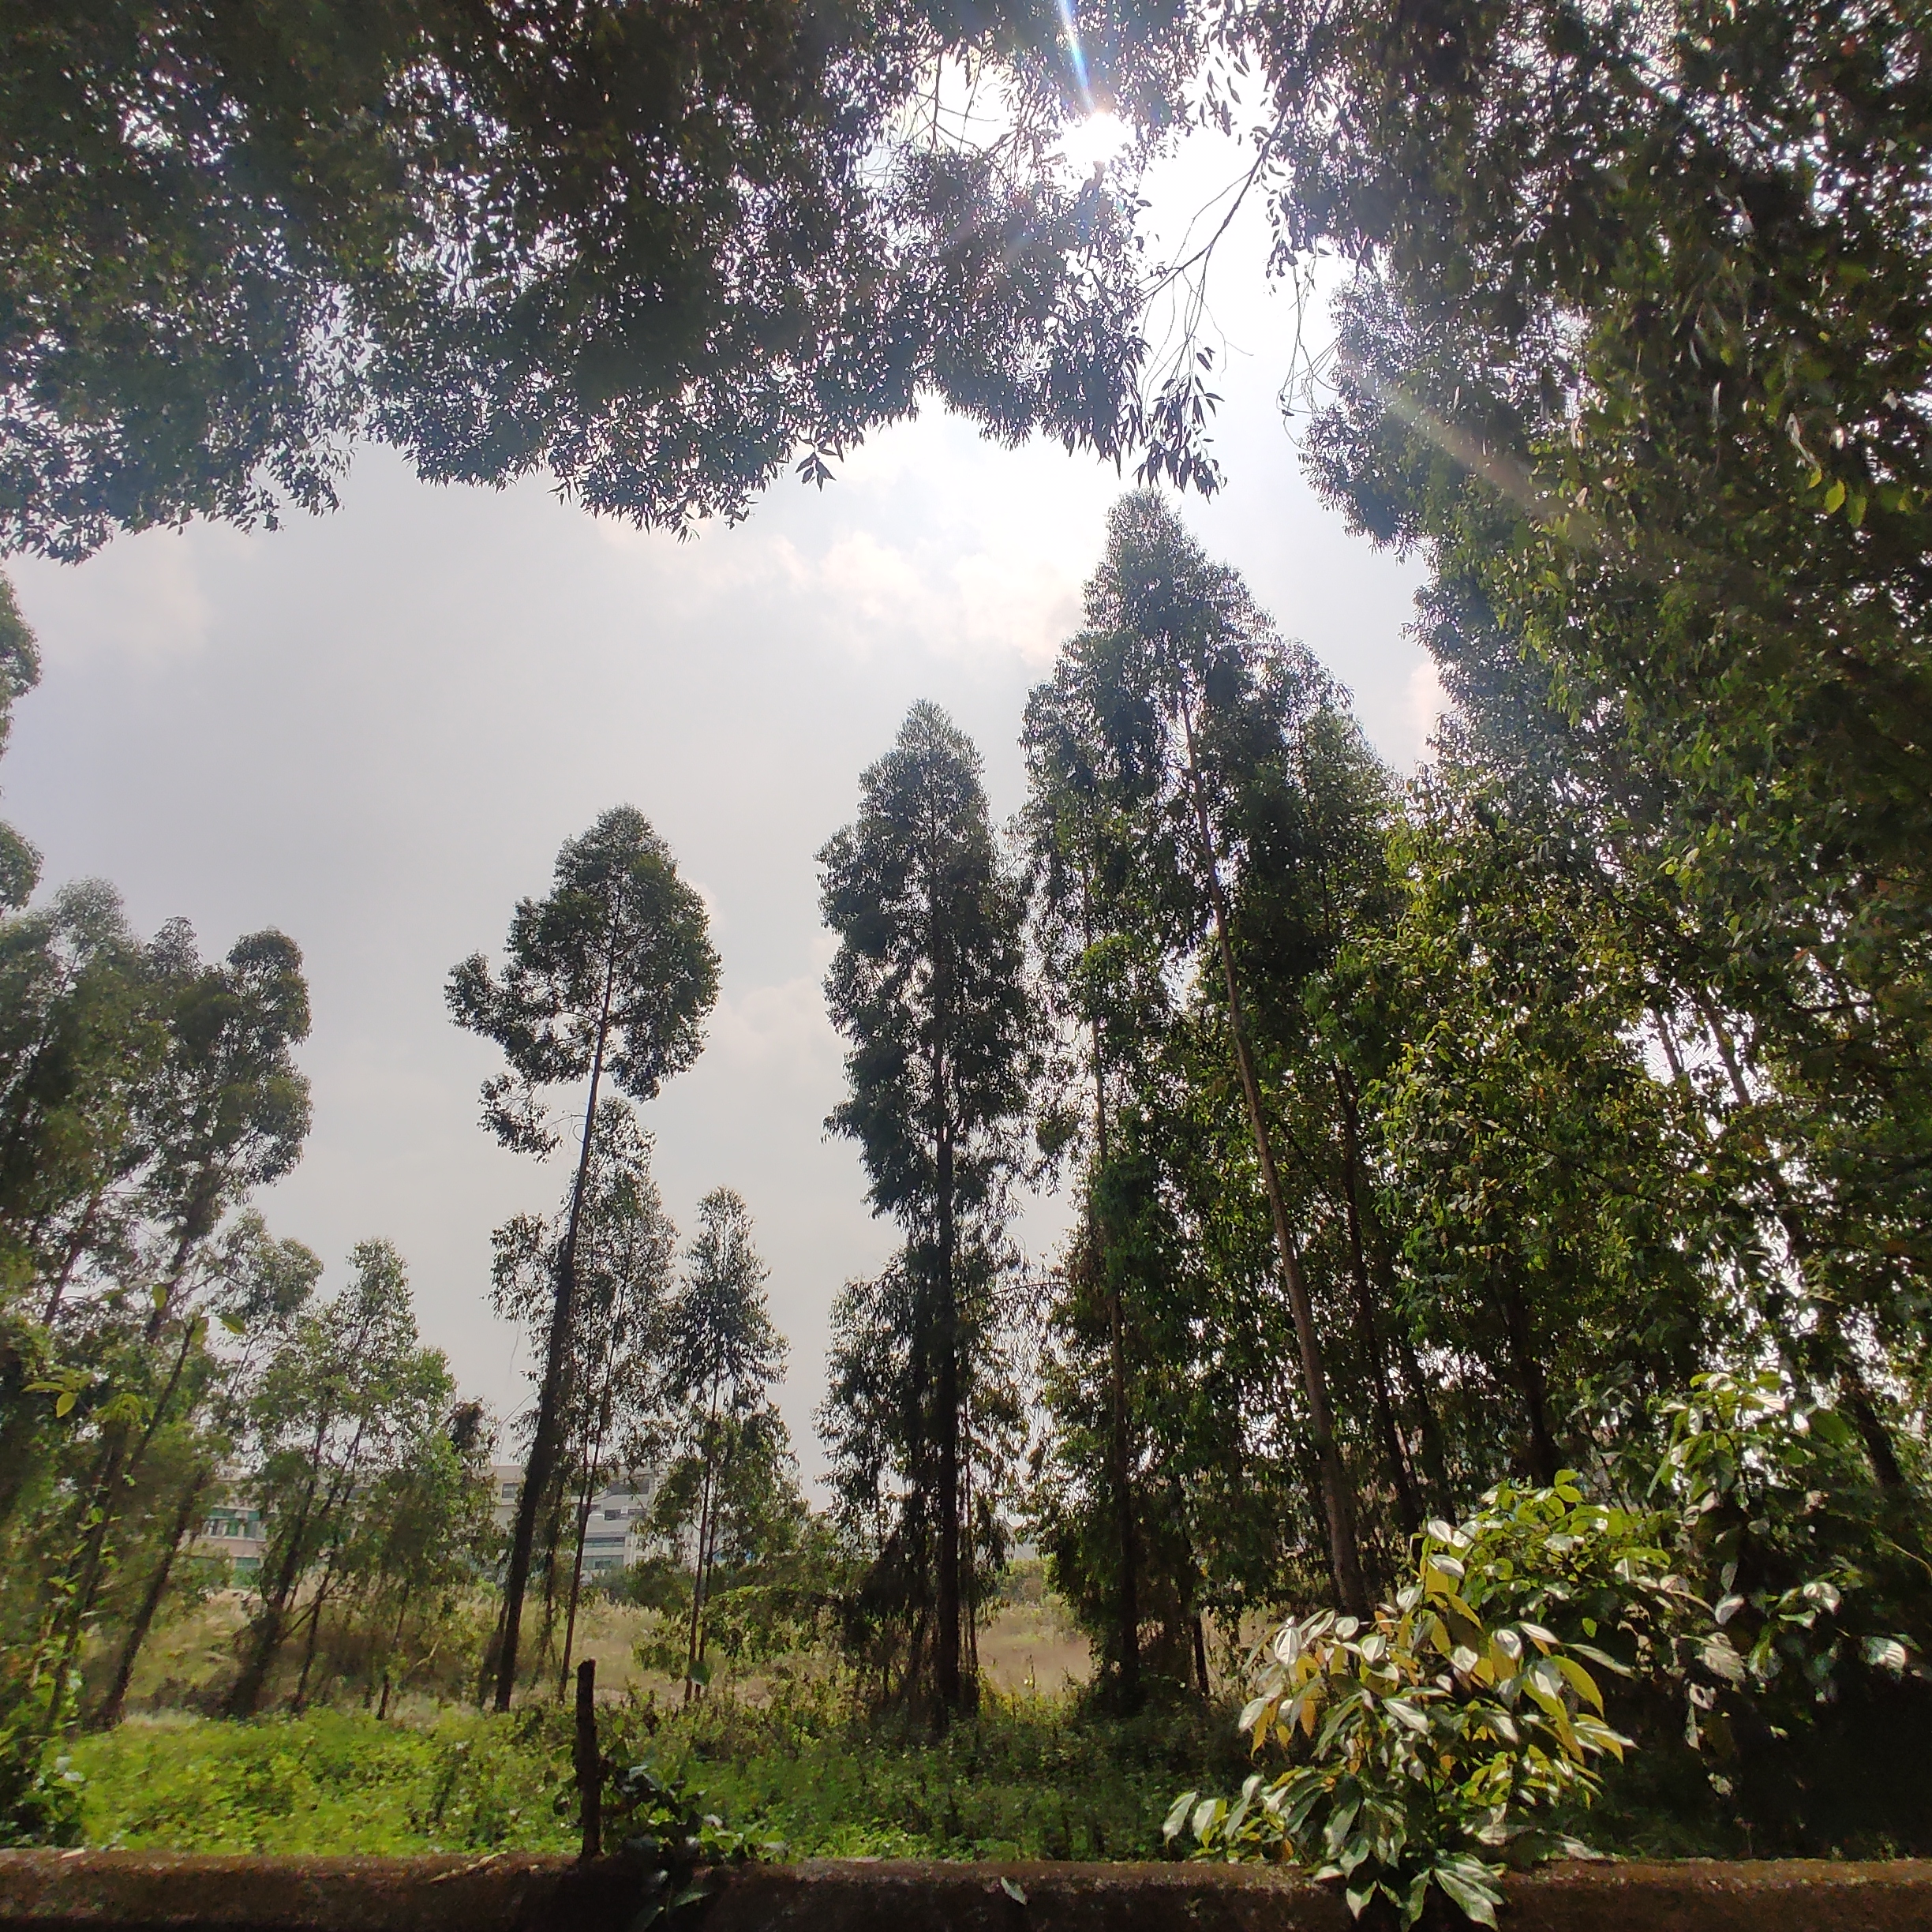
(156, 1891)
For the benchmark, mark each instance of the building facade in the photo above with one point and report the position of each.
(615, 1536)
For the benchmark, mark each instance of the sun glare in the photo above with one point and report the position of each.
(1093, 142)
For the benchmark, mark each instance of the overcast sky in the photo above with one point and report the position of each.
(373, 730)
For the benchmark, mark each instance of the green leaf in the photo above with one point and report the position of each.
(1475, 1898)
(1014, 1890)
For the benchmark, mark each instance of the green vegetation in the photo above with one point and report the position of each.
(1034, 1778)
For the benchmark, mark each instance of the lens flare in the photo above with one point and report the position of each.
(1076, 55)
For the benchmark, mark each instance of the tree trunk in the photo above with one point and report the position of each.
(947, 1679)
(550, 1399)
(594, 1462)
(119, 1463)
(570, 1618)
(1545, 1460)
(1127, 1627)
(1344, 1553)
(692, 1643)
(395, 1640)
(244, 1695)
(315, 1629)
(112, 1706)
(1369, 1330)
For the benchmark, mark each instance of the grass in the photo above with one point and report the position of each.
(1036, 1777)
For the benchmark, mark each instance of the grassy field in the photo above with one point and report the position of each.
(1028, 1776)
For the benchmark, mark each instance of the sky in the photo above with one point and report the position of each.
(374, 729)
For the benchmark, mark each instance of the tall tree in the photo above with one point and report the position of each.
(612, 974)
(225, 1111)
(338, 1406)
(929, 987)
(721, 1355)
(1181, 690)
(620, 1314)
(264, 1285)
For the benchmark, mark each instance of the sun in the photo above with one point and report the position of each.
(1090, 143)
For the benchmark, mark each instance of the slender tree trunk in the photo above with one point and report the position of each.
(486, 1677)
(594, 1462)
(1127, 1637)
(1344, 1552)
(83, 1233)
(119, 1464)
(115, 1702)
(694, 1643)
(316, 1604)
(395, 1640)
(1394, 1451)
(585, 1499)
(245, 1696)
(1544, 1461)
(550, 1399)
(552, 1555)
(1435, 1462)
(946, 1658)
(1854, 1391)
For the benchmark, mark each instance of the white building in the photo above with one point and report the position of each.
(232, 1527)
(614, 1537)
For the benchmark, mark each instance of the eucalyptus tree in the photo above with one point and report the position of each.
(263, 1284)
(1636, 354)
(339, 1403)
(1182, 692)
(1106, 992)
(424, 1530)
(620, 1318)
(721, 1355)
(19, 672)
(612, 974)
(930, 988)
(225, 1111)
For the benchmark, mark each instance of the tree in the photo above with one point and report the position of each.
(658, 252)
(721, 1355)
(1180, 692)
(620, 1316)
(263, 1285)
(19, 672)
(224, 1110)
(338, 1406)
(929, 987)
(613, 973)
(1636, 352)
(1102, 977)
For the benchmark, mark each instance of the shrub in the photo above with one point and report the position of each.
(1424, 1745)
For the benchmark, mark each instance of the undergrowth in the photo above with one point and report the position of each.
(1027, 1777)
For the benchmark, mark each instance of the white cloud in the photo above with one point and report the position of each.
(780, 1031)
(142, 600)
(1429, 703)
